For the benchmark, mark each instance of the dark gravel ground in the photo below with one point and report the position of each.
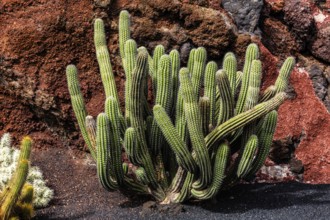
(79, 196)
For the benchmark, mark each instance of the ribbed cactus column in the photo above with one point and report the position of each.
(78, 104)
(103, 58)
(137, 122)
(226, 110)
(230, 67)
(130, 63)
(265, 136)
(197, 72)
(124, 32)
(192, 113)
(10, 195)
(252, 53)
(103, 144)
(210, 89)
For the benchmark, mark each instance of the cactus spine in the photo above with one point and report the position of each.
(181, 148)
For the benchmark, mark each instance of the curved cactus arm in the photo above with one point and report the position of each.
(265, 141)
(210, 89)
(219, 168)
(175, 68)
(198, 70)
(248, 154)
(191, 60)
(184, 192)
(103, 59)
(124, 32)
(91, 130)
(242, 119)
(111, 110)
(230, 66)
(226, 101)
(252, 53)
(269, 93)
(282, 80)
(182, 153)
(103, 151)
(204, 105)
(193, 115)
(130, 63)
(178, 180)
(78, 104)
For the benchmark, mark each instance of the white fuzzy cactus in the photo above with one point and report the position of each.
(8, 161)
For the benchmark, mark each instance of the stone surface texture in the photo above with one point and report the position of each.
(38, 38)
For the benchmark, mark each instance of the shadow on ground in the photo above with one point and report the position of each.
(80, 196)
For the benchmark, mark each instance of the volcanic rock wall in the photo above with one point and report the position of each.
(38, 38)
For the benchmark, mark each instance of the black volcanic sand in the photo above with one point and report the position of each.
(80, 196)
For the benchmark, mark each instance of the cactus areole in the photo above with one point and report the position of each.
(180, 148)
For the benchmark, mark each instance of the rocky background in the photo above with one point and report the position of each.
(38, 38)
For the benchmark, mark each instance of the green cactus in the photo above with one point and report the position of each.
(182, 148)
(16, 201)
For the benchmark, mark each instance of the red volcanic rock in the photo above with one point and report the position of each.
(305, 114)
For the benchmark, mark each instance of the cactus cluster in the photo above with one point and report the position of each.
(207, 129)
(9, 158)
(16, 197)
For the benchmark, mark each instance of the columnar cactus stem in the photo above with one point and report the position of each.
(191, 60)
(175, 68)
(111, 110)
(265, 141)
(210, 89)
(195, 129)
(11, 194)
(130, 63)
(103, 58)
(246, 159)
(198, 69)
(252, 53)
(103, 151)
(158, 52)
(282, 81)
(230, 67)
(131, 146)
(163, 98)
(204, 105)
(226, 100)
(78, 104)
(124, 32)
(137, 122)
